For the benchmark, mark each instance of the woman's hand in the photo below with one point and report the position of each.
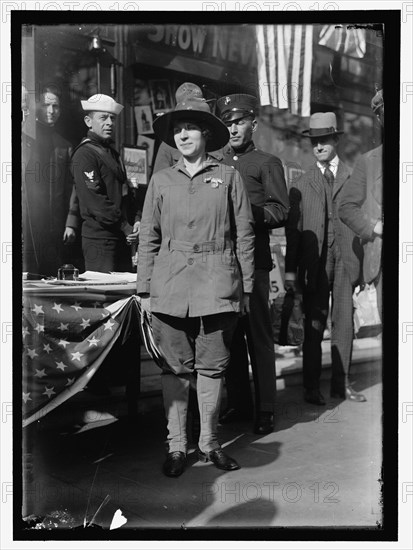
(245, 304)
(146, 304)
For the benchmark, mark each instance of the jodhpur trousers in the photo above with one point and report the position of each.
(193, 346)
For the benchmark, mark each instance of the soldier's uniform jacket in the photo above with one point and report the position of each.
(263, 176)
(196, 242)
(100, 181)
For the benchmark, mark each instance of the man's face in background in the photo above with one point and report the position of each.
(48, 110)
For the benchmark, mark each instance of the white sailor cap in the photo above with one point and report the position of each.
(101, 102)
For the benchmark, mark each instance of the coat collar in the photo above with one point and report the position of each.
(210, 163)
(229, 151)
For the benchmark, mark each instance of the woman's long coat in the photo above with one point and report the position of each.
(196, 243)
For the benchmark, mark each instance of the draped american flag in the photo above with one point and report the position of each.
(345, 39)
(285, 55)
(64, 343)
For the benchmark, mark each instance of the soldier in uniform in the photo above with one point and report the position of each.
(102, 191)
(263, 176)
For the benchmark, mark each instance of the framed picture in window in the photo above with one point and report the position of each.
(135, 159)
(148, 144)
(161, 95)
(143, 117)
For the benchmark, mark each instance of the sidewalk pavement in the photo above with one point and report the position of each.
(319, 468)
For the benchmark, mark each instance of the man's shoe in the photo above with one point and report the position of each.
(353, 395)
(314, 397)
(264, 423)
(174, 464)
(219, 458)
(234, 415)
(349, 394)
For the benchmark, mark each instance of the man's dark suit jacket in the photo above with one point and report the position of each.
(361, 208)
(306, 228)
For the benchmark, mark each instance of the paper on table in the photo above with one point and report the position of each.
(113, 277)
(96, 278)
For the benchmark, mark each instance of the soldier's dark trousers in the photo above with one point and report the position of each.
(258, 331)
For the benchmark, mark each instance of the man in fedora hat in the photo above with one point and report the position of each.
(102, 190)
(361, 205)
(322, 257)
(263, 176)
(195, 273)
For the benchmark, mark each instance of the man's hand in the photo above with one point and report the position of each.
(290, 284)
(245, 304)
(69, 236)
(134, 236)
(378, 228)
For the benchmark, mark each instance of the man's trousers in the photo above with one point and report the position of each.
(258, 331)
(333, 277)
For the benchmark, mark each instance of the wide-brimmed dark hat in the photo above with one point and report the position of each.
(192, 109)
(322, 125)
(236, 106)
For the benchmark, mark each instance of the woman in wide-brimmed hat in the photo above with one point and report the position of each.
(195, 271)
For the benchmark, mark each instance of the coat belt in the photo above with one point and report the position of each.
(205, 247)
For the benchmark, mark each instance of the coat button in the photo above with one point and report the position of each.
(191, 225)
(190, 261)
(196, 247)
(192, 190)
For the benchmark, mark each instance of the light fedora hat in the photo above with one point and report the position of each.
(101, 102)
(192, 109)
(322, 125)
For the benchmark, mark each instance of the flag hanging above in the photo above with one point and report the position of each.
(345, 39)
(285, 55)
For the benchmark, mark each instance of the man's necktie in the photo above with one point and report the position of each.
(328, 174)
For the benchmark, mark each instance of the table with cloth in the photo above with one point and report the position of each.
(67, 332)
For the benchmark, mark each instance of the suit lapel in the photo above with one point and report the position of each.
(342, 174)
(316, 180)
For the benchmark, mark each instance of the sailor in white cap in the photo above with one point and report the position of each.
(101, 186)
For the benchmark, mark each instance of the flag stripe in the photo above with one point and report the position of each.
(308, 60)
(351, 42)
(284, 54)
(290, 68)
